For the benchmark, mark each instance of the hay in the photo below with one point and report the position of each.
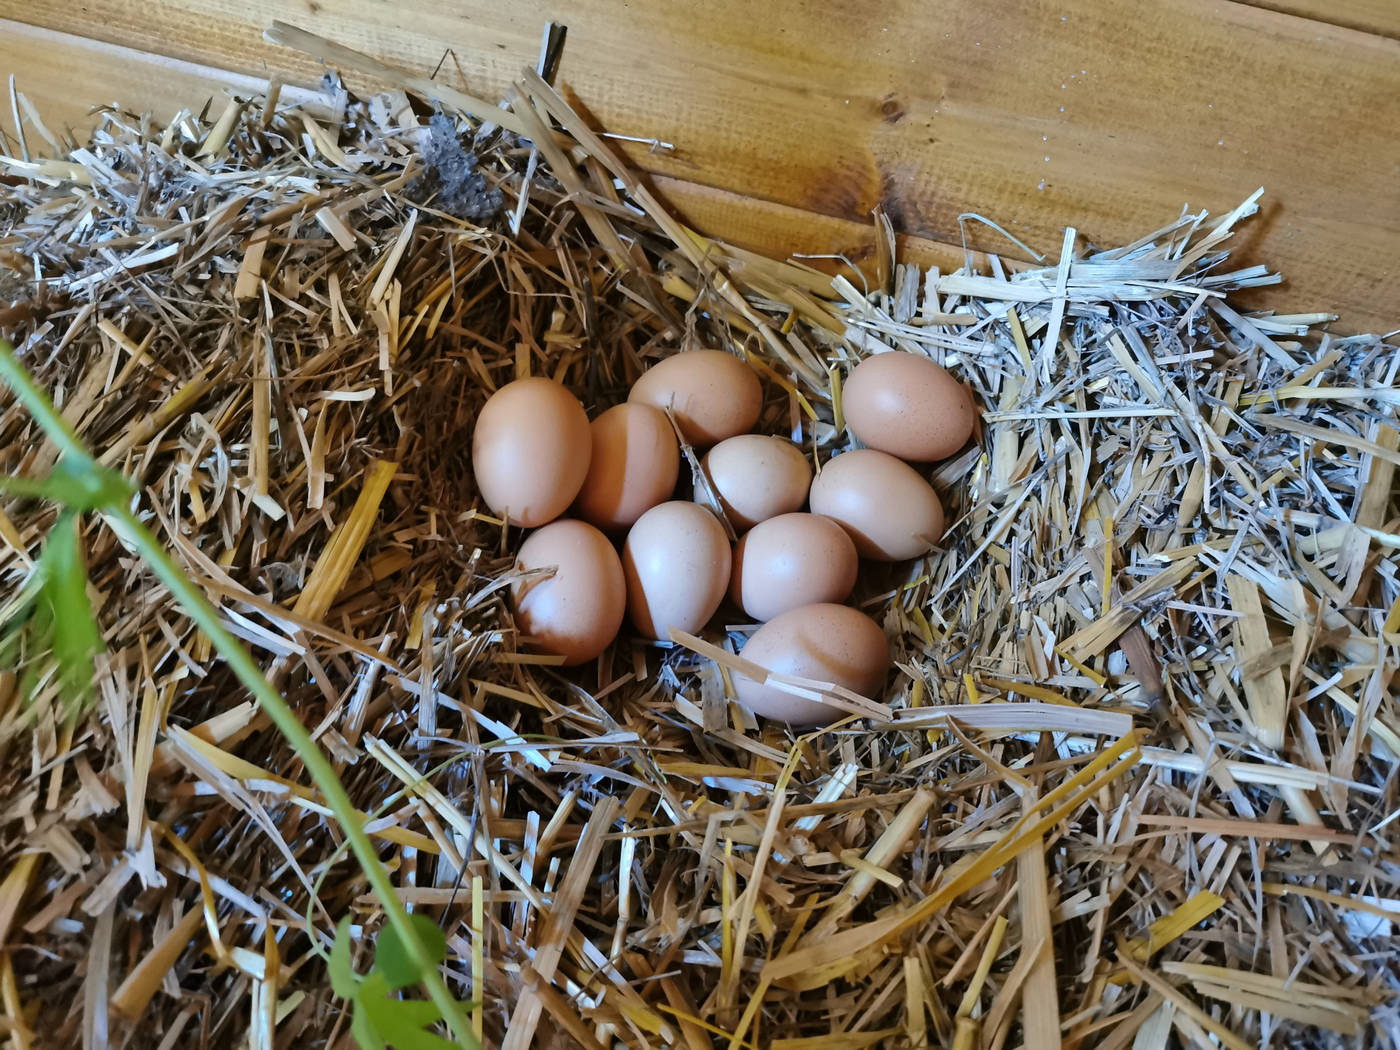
(1135, 774)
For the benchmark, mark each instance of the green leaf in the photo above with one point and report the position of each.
(400, 1023)
(76, 637)
(77, 486)
(88, 486)
(391, 956)
(34, 488)
(362, 1028)
(378, 1020)
(402, 1013)
(110, 488)
(345, 982)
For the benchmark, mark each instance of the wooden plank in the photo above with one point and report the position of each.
(781, 230)
(931, 111)
(70, 76)
(1381, 17)
(67, 77)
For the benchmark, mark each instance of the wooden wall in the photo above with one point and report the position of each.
(792, 119)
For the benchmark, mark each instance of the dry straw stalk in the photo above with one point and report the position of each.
(1132, 780)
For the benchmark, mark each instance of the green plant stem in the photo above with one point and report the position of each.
(129, 528)
(323, 774)
(25, 488)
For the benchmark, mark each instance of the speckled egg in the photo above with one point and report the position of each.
(634, 466)
(575, 613)
(826, 643)
(530, 450)
(908, 406)
(676, 562)
(883, 503)
(790, 561)
(713, 395)
(757, 477)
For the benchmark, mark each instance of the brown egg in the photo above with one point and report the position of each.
(826, 643)
(676, 561)
(758, 477)
(713, 395)
(576, 612)
(885, 505)
(908, 406)
(530, 450)
(790, 561)
(634, 467)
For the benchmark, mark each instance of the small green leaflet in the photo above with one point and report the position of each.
(61, 617)
(400, 1023)
(379, 1020)
(391, 958)
(49, 623)
(76, 637)
(345, 982)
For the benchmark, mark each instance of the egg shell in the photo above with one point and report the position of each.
(908, 406)
(826, 643)
(758, 477)
(712, 394)
(676, 561)
(530, 450)
(790, 561)
(634, 466)
(576, 613)
(883, 503)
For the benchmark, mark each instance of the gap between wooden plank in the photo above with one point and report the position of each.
(1381, 17)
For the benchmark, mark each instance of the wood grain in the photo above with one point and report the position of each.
(932, 111)
(766, 227)
(71, 77)
(68, 77)
(1381, 17)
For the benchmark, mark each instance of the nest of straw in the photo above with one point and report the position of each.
(1130, 784)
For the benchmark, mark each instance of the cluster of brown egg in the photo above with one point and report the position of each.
(536, 456)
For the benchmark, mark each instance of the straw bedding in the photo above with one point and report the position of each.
(1131, 784)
